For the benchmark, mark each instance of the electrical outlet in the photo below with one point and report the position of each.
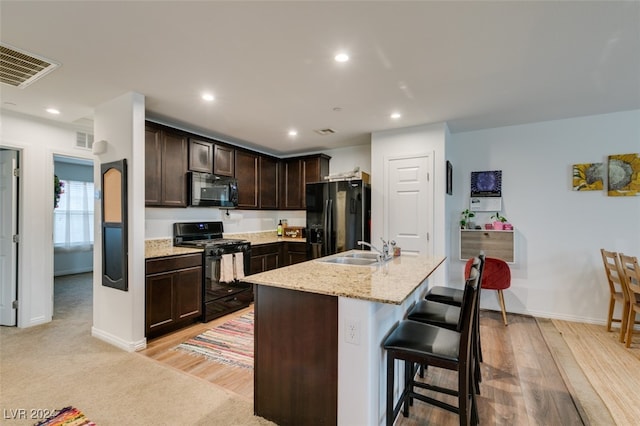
(352, 332)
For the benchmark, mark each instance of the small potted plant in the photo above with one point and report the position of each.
(464, 219)
(498, 221)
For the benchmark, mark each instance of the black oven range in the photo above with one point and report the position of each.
(226, 262)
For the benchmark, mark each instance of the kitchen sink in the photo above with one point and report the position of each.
(350, 261)
(362, 255)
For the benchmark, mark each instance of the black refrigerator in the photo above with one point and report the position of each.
(338, 216)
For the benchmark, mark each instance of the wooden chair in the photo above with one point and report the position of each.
(448, 316)
(425, 344)
(631, 273)
(618, 291)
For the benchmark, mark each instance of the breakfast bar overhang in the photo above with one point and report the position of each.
(319, 327)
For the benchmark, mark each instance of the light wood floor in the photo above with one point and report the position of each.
(521, 383)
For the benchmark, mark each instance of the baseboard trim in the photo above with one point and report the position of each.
(129, 346)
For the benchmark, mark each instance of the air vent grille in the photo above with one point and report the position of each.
(20, 69)
(84, 140)
(325, 131)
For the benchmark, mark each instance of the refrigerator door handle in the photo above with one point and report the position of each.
(325, 217)
(329, 228)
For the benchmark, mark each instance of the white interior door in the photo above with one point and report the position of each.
(409, 204)
(8, 228)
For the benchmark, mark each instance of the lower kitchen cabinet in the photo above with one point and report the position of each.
(173, 296)
(265, 257)
(295, 252)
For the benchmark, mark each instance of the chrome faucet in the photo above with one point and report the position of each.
(382, 254)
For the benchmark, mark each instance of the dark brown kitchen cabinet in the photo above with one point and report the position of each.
(200, 156)
(291, 186)
(223, 160)
(296, 173)
(257, 177)
(295, 252)
(268, 182)
(173, 293)
(265, 257)
(165, 167)
(247, 173)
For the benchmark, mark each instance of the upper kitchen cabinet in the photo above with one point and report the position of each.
(223, 160)
(296, 173)
(268, 182)
(247, 174)
(257, 177)
(165, 167)
(200, 156)
(316, 167)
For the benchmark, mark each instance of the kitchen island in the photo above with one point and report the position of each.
(319, 328)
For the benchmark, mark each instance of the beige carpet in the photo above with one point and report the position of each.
(59, 364)
(601, 374)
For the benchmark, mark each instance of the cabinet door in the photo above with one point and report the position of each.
(295, 253)
(152, 166)
(159, 302)
(247, 175)
(291, 195)
(316, 168)
(200, 156)
(223, 160)
(174, 169)
(188, 291)
(268, 181)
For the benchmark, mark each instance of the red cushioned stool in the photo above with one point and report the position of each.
(496, 276)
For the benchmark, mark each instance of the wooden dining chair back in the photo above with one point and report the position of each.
(631, 273)
(618, 291)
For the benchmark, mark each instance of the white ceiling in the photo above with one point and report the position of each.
(270, 64)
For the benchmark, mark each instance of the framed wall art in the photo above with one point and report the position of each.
(624, 175)
(588, 177)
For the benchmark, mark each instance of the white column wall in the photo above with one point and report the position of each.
(118, 316)
(426, 139)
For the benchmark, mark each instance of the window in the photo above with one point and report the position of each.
(73, 218)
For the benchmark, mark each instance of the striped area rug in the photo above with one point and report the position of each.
(230, 343)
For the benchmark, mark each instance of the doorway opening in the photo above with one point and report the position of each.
(73, 224)
(9, 239)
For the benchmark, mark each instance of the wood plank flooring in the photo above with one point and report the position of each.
(521, 383)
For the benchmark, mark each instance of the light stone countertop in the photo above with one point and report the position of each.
(265, 237)
(160, 247)
(164, 247)
(391, 282)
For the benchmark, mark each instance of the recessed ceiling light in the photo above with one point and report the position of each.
(396, 115)
(53, 111)
(208, 97)
(293, 132)
(341, 57)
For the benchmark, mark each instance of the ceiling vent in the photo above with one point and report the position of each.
(325, 132)
(84, 140)
(20, 69)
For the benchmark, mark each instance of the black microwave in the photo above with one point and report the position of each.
(208, 190)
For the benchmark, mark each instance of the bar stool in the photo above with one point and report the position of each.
(425, 344)
(447, 316)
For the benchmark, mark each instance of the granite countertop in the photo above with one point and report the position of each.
(266, 237)
(164, 247)
(391, 282)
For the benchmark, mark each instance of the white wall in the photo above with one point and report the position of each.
(427, 139)
(559, 232)
(346, 159)
(37, 140)
(118, 316)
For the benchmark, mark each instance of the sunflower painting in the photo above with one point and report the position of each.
(624, 175)
(588, 177)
